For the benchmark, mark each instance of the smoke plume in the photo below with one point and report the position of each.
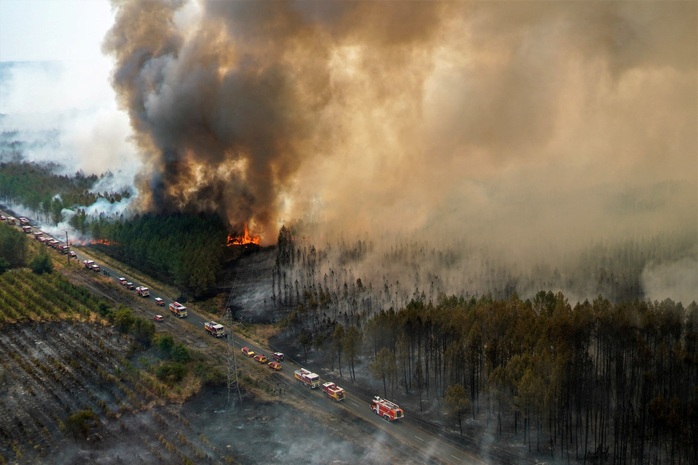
(532, 126)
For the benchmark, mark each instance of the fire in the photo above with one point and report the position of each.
(244, 239)
(102, 242)
(88, 242)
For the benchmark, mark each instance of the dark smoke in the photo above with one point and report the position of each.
(535, 126)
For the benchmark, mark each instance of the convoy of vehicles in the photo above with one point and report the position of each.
(178, 309)
(307, 378)
(382, 407)
(215, 329)
(333, 391)
(386, 409)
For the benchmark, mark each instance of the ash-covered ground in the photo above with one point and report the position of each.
(51, 371)
(250, 280)
(276, 433)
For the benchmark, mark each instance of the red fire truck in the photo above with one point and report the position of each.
(333, 391)
(388, 410)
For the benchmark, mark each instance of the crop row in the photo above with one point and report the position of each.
(40, 297)
(53, 370)
(51, 377)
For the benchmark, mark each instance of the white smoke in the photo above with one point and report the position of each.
(677, 280)
(66, 113)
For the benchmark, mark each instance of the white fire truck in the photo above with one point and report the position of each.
(333, 391)
(178, 309)
(90, 264)
(388, 410)
(306, 377)
(214, 329)
(143, 291)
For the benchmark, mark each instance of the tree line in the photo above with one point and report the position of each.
(14, 252)
(612, 379)
(398, 272)
(46, 193)
(186, 250)
(597, 381)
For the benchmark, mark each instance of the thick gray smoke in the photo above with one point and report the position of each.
(530, 126)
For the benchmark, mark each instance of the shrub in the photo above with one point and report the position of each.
(41, 264)
(123, 319)
(143, 331)
(165, 344)
(171, 372)
(79, 424)
(180, 353)
(4, 265)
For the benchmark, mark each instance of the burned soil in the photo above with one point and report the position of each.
(53, 370)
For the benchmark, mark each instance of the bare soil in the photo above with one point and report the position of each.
(50, 371)
(53, 370)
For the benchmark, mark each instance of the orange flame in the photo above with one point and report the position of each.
(102, 242)
(244, 239)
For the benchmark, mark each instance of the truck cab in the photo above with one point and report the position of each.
(142, 291)
(333, 391)
(178, 309)
(215, 329)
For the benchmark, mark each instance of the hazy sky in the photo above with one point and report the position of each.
(55, 30)
(73, 94)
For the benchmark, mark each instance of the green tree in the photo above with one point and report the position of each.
(57, 210)
(352, 348)
(143, 331)
(171, 372)
(165, 343)
(384, 367)
(41, 263)
(13, 246)
(4, 265)
(123, 319)
(180, 353)
(457, 403)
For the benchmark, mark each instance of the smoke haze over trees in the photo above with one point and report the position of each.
(529, 127)
(520, 142)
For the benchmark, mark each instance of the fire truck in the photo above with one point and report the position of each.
(333, 391)
(388, 410)
(214, 329)
(178, 309)
(142, 291)
(311, 380)
(91, 265)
